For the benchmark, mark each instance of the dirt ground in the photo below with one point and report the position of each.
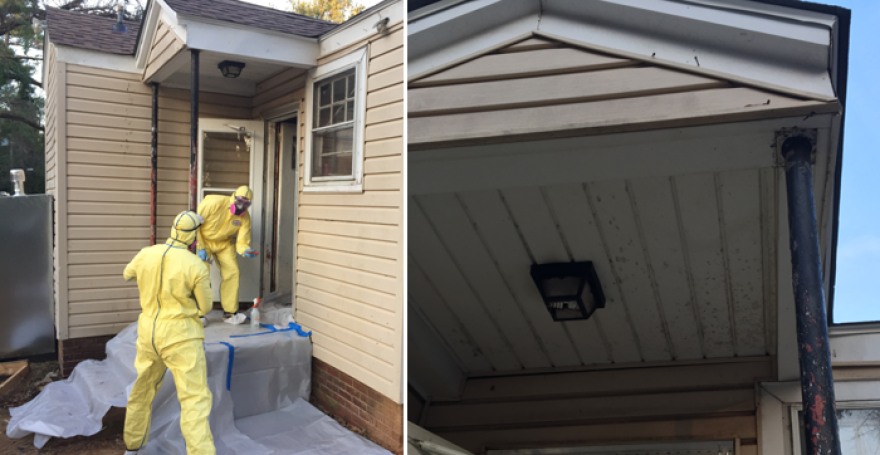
(108, 441)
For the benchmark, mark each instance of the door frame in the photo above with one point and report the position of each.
(257, 169)
(271, 124)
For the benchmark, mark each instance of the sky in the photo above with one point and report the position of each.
(858, 250)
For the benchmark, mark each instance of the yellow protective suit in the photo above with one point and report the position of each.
(175, 290)
(216, 238)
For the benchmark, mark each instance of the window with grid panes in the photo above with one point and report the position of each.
(333, 129)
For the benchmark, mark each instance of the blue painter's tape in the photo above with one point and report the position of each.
(231, 361)
(290, 327)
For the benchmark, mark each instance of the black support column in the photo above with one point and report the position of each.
(154, 165)
(194, 131)
(817, 383)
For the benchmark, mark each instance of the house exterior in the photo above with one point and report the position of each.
(141, 125)
(654, 139)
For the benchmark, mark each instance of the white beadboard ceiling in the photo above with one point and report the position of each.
(681, 261)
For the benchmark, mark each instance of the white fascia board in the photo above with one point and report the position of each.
(421, 63)
(158, 10)
(431, 9)
(96, 59)
(358, 28)
(466, 29)
(151, 22)
(666, 152)
(814, 32)
(794, 55)
(793, 14)
(265, 45)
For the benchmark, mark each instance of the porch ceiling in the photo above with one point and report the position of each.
(688, 254)
(210, 78)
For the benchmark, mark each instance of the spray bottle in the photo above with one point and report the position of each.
(255, 315)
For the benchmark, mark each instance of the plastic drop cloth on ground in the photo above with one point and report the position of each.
(260, 405)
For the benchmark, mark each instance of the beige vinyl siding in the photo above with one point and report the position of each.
(539, 89)
(108, 154)
(350, 246)
(691, 402)
(278, 91)
(166, 44)
(51, 124)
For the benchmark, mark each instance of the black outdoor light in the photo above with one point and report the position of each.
(230, 69)
(570, 290)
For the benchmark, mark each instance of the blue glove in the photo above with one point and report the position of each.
(203, 255)
(250, 254)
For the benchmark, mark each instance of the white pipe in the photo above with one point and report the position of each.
(431, 447)
(17, 176)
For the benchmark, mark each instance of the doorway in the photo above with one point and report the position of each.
(231, 155)
(281, 198)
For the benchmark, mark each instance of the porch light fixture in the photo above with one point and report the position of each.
(570, 290)
(230, 69)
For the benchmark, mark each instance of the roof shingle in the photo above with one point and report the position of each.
(88, 31)
(241, 13)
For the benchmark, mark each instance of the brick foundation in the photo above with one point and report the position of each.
(72, 352)
(378, 418)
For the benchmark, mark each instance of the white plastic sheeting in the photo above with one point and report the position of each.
(260, 405)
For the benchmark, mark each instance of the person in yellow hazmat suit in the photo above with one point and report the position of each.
(175, 292)
(226, 217)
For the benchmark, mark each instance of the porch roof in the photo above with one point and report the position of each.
(251, 15)
(87, 31)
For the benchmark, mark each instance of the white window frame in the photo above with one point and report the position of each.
(358, 60)
(795, 423)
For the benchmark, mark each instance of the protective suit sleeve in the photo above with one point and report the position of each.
(202, 289)
(205, 209)
(130, 271)
(244, 235)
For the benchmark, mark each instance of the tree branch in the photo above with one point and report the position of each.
(18, 118)
(15, 57)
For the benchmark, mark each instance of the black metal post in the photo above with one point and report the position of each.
(194, 132)
(817, 383)
(154, 154)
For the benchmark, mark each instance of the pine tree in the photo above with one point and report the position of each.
(21, 93)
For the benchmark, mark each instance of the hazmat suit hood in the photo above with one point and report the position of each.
(240, 200)
(183, 230)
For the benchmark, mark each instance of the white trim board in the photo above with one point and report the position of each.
(257, 44)
(358, 28)
(96, 59)
(674, 151)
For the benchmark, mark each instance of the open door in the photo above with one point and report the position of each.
(231, 155)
